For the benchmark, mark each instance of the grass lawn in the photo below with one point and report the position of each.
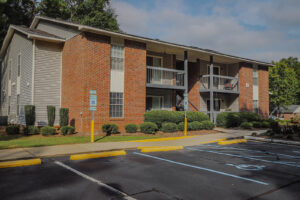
(17, 141)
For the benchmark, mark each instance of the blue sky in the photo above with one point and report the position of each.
(266, 30)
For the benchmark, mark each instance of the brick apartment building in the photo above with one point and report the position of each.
(55, 62)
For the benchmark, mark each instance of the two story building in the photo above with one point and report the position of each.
(56, 62)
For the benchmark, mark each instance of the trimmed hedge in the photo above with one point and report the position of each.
(48, 130)
(208, 125)
(12, 129)
(180, 126)
(31, 130)
(169, 127)
(51, 115)
(110, 128)
(29, 115)
(148, 127)
(161, 116)
(67, 130)
(196, 125)
(246, 125)
(63, 117)
(235, 119)
(265, 124)
(257, 124)
(131, 128)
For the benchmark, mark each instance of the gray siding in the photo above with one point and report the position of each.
(23, 46)
(59, 30)
(47, 79)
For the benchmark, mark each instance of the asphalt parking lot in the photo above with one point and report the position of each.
(249, 170)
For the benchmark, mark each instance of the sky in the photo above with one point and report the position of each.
(266, 30)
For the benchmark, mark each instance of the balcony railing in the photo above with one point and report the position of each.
(165, 78)
(225, 84)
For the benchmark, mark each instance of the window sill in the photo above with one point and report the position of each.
(117, 119)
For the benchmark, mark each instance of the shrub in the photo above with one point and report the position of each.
(131, 128)
(48, 130)
(158, 117)
(196, 116)
(67, 130)
(29, 115)
(169, 127)
(249, 116)
(180, 126)
(246, 125)
(265, 124)
(275, 127)
(222, 119)
(110, 128)
(12, 129)
(233, 120)
(196, 125)
(208, 125)
(51, 115)
(63, 116)
(30, 130)
(257, 124)
(148, 127)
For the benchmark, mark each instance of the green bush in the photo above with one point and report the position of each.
(51, 115)
(196, 116)
(158, 117)
(180, 126)
(222, 119)
(131, 128)
(233, 120)
(208, 125)
(176, 117)
(30, 130)
(67, 130)
(257, 124)
(196, 125)
(29, 115)
(249, 116)
(110, 128)
(63, 117)
(265, 124)
(12, 129)
(148, 127)
(169, 127)
(246, 125)
(48, 130)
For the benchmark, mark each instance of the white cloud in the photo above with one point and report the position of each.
(223, 30)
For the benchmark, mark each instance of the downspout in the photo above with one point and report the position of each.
(33, 71)
(186, 75)
(211, 93)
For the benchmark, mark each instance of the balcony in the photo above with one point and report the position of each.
(158, 77)
(222, 84)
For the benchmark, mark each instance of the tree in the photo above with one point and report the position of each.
(282, 85)
(54, 9)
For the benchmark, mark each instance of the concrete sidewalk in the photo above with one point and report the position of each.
(62, 150)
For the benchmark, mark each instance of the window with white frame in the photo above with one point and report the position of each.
(255, 89)
(116, 104)
(8, 107)
(18, 105)
(154, 61)
(117, 57)
(19, 64)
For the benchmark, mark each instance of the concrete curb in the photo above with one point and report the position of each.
(19, 163)
(163, 148)
(272, 140)
(97, 155)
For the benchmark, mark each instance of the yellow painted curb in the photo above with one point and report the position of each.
(232, 142)
(165, 148)
(213, 141)
(162, 139)
(97, 155)
(19, 163)
(149, 147)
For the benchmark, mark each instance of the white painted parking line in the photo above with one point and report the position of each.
(258, 151)
(201, 168)
(125, 196)
(247, 157)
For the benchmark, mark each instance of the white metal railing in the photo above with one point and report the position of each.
(165, 76)
(224, 83)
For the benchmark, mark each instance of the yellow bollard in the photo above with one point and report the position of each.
(92, 131)
(185, 126)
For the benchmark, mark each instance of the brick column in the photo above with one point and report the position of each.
(246, 89)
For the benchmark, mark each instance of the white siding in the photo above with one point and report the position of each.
(60, 30)
(47, 79)
(19, 44)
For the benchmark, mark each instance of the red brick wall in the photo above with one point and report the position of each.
(246, 93)
(194, 85)
(86, 66)
(263, 81)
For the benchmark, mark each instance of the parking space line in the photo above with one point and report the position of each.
(125, 196)
(280, 154)
(248, 157)
(201, 168)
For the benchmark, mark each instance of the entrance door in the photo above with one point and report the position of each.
(217, 104)
(154, 103)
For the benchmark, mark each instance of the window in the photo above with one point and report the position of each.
(255, 89)
(154, 61)
(116, 104)
(255, 106)
(19, 65)
(117, 57)
(9, 71)
(18, 104)
(154, 103)
(8, 108)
